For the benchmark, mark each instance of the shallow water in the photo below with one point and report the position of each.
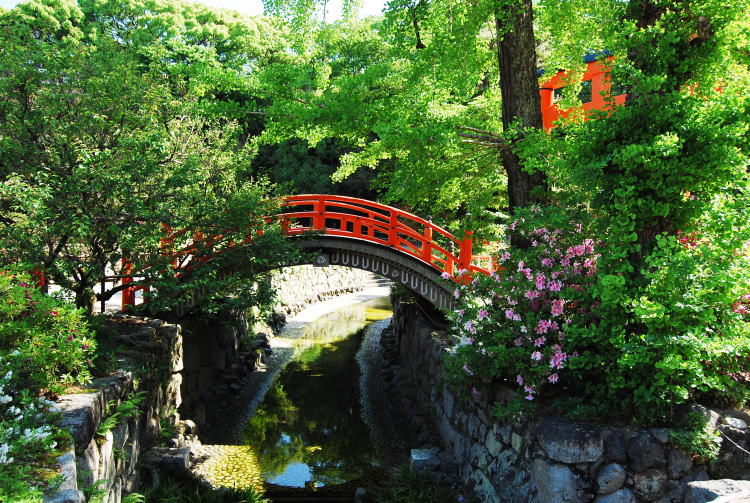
(309, 430)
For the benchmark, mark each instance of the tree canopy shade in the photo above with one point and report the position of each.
(119, 118)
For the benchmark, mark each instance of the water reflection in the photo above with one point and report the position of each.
(309, 431)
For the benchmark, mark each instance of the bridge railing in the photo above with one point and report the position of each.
(377, 223)
(338, 216)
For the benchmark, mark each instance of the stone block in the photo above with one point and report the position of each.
(610, 478)
(735, 422)
(710, 490)
(423, 460)
(619, 496)
(557, 483)
(649, 485)
(569, 442)
(678, 463)
(615, 446)
(493, 445)
(87, 464)
(645, 453)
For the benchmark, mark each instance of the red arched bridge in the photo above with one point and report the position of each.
(378, 238)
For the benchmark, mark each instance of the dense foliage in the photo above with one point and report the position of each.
(663, 185)
(123, 119)
(45, 346)
(133, 131)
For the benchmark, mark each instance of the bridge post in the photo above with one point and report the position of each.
(128, 293)
(464, 255)
(427, 245)
(319, 220)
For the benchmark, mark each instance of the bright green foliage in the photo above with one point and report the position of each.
(397, 110)
(699, 437)
(30, 437)
(119, 413)
(44, 341)
(144, 123)
(665, 185)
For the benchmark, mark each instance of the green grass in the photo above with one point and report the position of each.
(190, 490)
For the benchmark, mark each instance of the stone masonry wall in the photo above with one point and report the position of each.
(555, 460)
(106, 461)
(301, 285)
(181, 369)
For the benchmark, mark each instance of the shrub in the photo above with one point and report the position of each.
(30, 441)
(45, 341)
(514, 326)
(560, 317)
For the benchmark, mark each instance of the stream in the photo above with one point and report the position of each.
(317, 417)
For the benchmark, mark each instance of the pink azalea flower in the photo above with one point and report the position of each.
(504, 257)
(469, 325)
(70, 338)
(553, 378)
(521, 265)
(445, 275)
(518, 341)
(456, 293)
(555, 286)
(512, 226)
(536, 356)
(540, 341)
(523, 328)
(547, 262)
(529, 389)
(519, 379)
(541, 281)
(469, 341)
(531, 294)
(557, 307)
(529, 397)
(509, 313)
(467, 369)
(543, 326)
(516, 317)
(482, 314)
(557, 360)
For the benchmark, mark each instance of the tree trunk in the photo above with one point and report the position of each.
(516, 54)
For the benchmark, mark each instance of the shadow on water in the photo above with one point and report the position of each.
(309, 430)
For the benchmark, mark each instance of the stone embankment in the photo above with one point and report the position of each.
(552, 460)
(171, 371)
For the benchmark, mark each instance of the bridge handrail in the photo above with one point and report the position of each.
(385, 225)
(389, 222)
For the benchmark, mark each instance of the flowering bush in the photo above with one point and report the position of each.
(514, 324)
(46, 342)
(30, 440)
(561, 316)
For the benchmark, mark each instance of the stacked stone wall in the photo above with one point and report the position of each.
(548, 459)
(301, 285)
(181, 370)
(103, 461)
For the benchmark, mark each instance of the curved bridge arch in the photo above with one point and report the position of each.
(396, 244)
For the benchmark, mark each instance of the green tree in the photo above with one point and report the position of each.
(111, 129)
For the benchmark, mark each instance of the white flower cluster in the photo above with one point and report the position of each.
(21, 420)
(4, 458)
